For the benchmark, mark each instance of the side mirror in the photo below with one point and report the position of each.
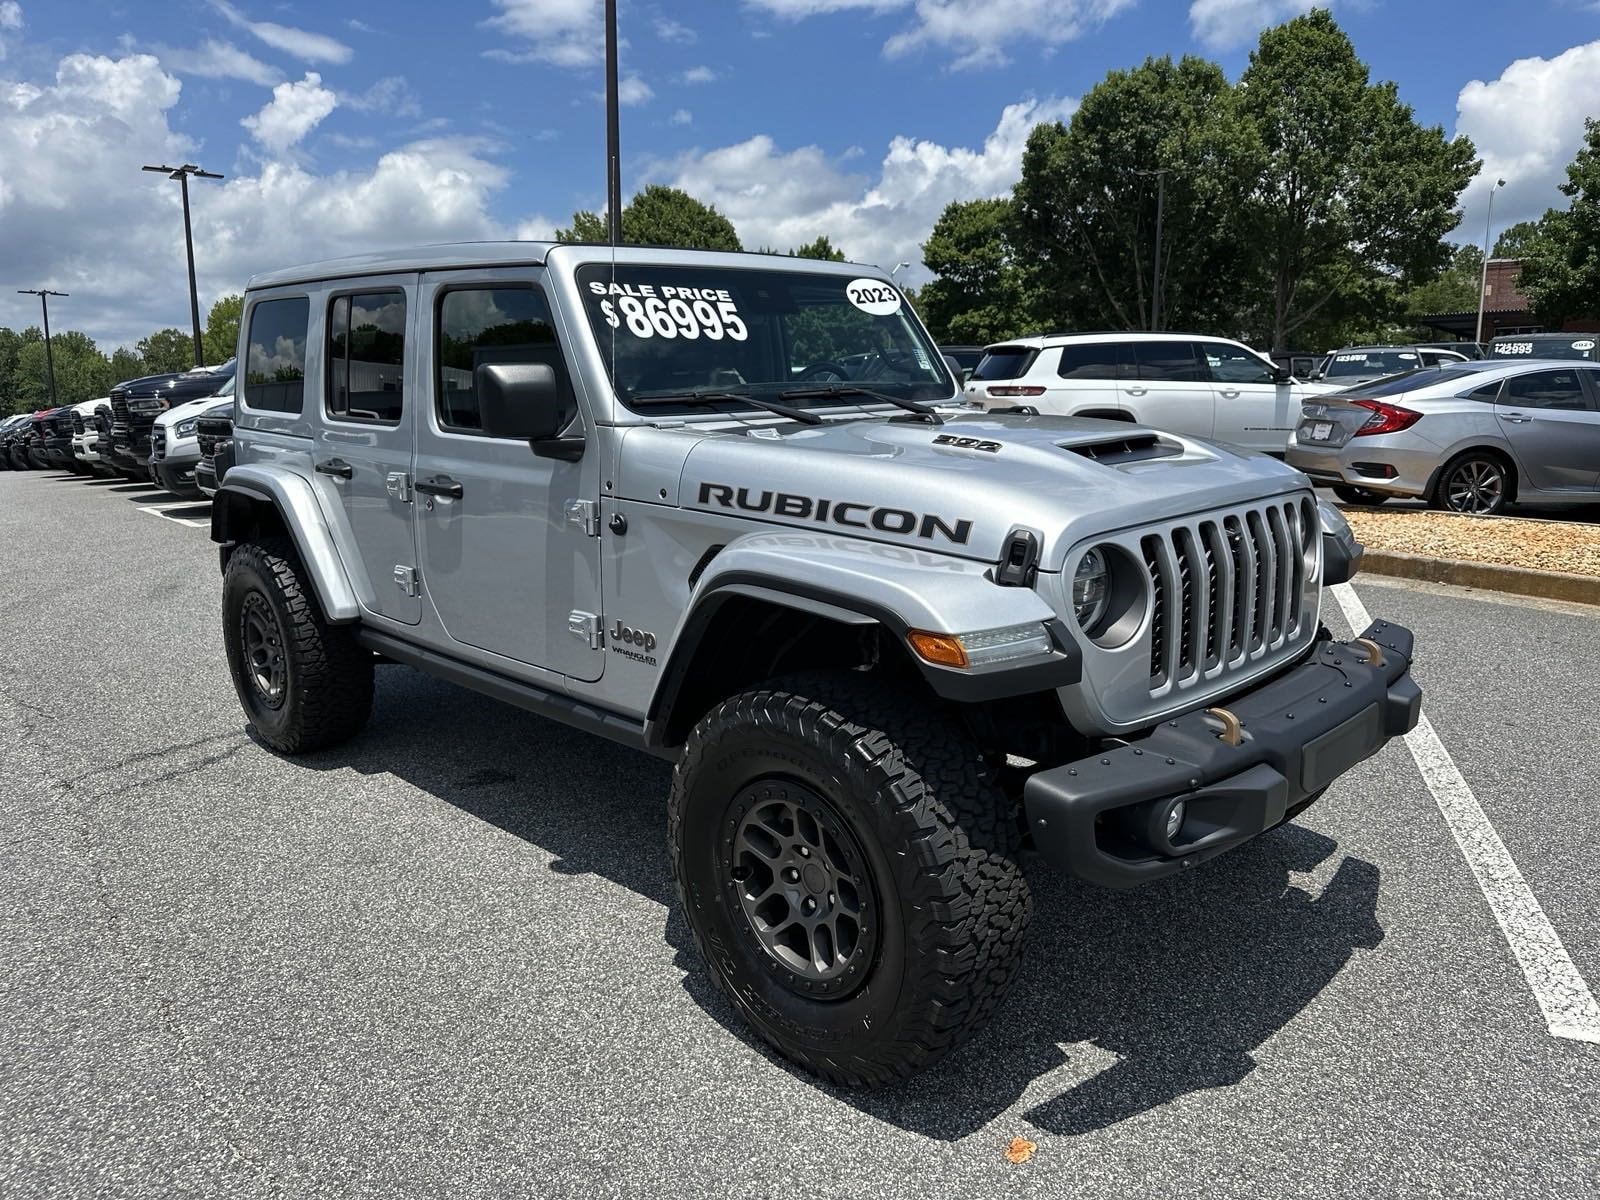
(1282, 375)
(524, 401)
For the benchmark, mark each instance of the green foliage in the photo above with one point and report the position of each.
(981, 292)
(1350, 185)
(11, 344)
(82, 372)
(221, 336)
(167, 350)
(1453, 290)
(822, 249)
(1517, 241)
(659, 216)
(1561, 267)
(126, 364)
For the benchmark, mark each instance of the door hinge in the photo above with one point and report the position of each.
(585, 514)
(408, 580)
(399, 485)
(585, 626)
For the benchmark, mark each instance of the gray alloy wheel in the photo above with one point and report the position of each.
(1474, 484)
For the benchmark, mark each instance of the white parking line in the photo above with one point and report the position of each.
(162, 511)
(1564, 998)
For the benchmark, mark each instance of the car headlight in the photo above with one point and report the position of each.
(1091, 589)
(185, 428)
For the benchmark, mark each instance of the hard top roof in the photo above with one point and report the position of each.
(457, 255)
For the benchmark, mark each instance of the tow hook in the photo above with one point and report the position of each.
(1232, 728)
(1374, 653)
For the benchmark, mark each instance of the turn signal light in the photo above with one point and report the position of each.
(1385, 418)
(938, 648)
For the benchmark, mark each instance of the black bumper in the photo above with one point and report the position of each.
(1103, 818)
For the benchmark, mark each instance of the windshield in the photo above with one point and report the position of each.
(760, 331)
(1368, 363)
(1576, 347)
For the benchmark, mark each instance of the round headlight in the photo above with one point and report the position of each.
(1091, 589)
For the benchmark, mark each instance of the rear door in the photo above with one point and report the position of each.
(1172, 390)
(362, 457)
(1089, 377)
(1550, 419)
(1254, 410)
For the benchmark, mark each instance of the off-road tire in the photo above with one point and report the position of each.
(326, 694)
(1359, 495)
(940, 843)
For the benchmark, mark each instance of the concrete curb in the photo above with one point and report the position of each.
(1521, 581)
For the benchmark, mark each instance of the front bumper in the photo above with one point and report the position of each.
(176, 473)
(1103, 818)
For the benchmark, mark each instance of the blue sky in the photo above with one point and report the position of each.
(353, 128)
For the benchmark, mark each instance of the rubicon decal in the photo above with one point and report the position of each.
(848, 513)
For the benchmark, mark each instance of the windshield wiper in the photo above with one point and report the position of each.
(708, 396)
(839, 390)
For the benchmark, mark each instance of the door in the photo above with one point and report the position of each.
(1173, 389)
(1254, 410)
(509, 541)
(1550, 419)
(364, 436)
(1091, 377)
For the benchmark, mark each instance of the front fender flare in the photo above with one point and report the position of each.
(295, 502)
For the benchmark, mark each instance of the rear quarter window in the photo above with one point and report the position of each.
(1005, 362)
(275, 370)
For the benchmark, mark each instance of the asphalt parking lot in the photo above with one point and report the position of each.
(444, 960)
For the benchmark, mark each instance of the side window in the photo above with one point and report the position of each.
(366, 357)
(486, 325)
(1546, 389)
(1234, 364)
(275, 372)
(1097, 360)
(1170, 362)
(1487, 394)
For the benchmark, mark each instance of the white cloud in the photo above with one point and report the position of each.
(10, 22)
(1227, 24)
(697, 75)
(300, 43)
(391, 94)
(1527, 126)
(786, 198)
(631, 90)
(294, 111)
(976, 31)
(567, 33)
(669, 30)
(219, 60)
(682, 117)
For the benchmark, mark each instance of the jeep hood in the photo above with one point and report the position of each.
(958, 488)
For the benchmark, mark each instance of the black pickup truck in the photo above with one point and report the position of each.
(136, 404)
(214, 432)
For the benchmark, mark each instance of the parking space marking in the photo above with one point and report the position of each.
(163, 511)
(1564, 998)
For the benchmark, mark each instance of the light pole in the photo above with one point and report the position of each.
(1483, 281)
(898, 267)
(613, 132)
(44, 295)
(181, 174)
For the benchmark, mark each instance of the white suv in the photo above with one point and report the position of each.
(1206, 387)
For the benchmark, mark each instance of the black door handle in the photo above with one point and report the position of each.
(440, 485)
(337, 466)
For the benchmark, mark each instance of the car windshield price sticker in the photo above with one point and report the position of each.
(873, 296)
(1585, 345)
(667, 311)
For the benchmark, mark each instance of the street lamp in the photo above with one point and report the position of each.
(898, 267)
(181, 174)
(44, 295)
(1483, 281)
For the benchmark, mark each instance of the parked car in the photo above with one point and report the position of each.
(1546, 345)
(86, 431)
(11, 434)
(965, 357)
(55, 427)
(1302, 364)
(174, 445)
(1471, 351)
(137, 403)
(1355, 365)
(214, 436)
(1470, 437)
(1205, 387)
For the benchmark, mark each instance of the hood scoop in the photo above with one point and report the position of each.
(1135, 447)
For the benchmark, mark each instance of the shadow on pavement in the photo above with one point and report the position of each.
(1178, 982)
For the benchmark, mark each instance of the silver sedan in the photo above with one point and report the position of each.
(1470, 437)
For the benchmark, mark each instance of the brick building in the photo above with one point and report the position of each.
(1505, 309)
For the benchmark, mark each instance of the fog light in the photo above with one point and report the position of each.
(1175, 816)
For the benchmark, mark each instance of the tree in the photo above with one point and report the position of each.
(221, 337)
(980, 292)
(1516, 241)
(82, 372)
(659, 216)
(1086, 206)
(11, 344)
(126, 364)
(167, 350)
(1350, 183)
(1561, 264)
(1453, 290)
(821, 248)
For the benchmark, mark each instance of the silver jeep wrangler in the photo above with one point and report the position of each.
(721, 508)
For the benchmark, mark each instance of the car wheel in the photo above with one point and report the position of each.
(1476, 482)
(1356, 495)
(849, 871)
(304, 684)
